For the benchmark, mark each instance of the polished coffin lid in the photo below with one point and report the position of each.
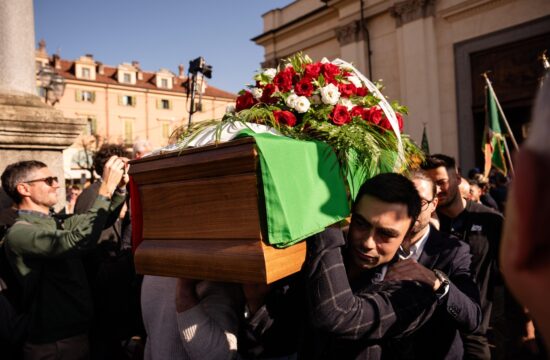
(203, 216)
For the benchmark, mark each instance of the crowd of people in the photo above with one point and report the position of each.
(425, 269)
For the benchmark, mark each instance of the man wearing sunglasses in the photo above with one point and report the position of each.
(433, 255)
(46, 256)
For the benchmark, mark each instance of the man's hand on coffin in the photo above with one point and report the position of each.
(186, 294)
(112, 176)
(255, 296)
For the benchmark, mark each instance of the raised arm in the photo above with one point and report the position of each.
(81, 231)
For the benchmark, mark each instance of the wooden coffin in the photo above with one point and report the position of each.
(203, 217)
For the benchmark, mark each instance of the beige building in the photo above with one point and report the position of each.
(430, 54)
(124, 104)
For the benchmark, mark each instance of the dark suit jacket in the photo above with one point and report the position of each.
(481, 228)
(439, 338)
(356, 321)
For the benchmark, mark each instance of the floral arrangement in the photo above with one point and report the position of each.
(329, 102)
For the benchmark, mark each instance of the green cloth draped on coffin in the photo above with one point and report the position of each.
(303, 188)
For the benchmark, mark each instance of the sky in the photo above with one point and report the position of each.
(159, 33)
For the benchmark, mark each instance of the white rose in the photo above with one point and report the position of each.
(291, 100)
(257, 93)
(302, 104)
(346, 102)
(355, 81)
(324, 61)
(270, 73)
(330, 94)
(230, 109)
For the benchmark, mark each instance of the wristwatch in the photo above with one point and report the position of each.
(443, 289)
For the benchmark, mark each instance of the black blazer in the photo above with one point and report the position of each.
(439, 338)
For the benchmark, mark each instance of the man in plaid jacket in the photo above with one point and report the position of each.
(355, 313)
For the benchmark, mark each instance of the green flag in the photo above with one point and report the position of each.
(493, 140)
(425, 145)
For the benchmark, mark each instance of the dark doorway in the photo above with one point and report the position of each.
(512, 58)
(514, 70)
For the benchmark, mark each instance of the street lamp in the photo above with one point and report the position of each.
(52, 83)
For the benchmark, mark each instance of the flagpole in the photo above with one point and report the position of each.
(516, 147)
(509, 158)
(546, 65)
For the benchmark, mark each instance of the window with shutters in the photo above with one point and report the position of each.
(165, 104)
(85, 96)
(127, 100)
(88, 96)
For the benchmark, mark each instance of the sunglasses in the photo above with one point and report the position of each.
(48, 180)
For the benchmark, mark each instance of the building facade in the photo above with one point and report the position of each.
(124, 104)
(430, 54)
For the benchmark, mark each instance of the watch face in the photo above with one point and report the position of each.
(442, 277)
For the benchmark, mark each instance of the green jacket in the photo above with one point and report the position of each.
(48, 264)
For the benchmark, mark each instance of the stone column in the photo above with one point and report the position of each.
(418, 69)
(17, 46)
(29, 129)
(353, 45)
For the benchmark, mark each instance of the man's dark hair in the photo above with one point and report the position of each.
(104, 154)
(421, 175)
(439, 160)
(394, 189)
(17, 173)
(474, 182)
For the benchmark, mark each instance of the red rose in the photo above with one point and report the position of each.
(284, 117)
(340, 115)
(267, 91)
(304, 87)
(385, 123)
(312, 71)
(359, 111)
(330, 71)
(375, 115)
(245, 101)
(399, 121)
(346, 90)
(362, 91)
(283, 80)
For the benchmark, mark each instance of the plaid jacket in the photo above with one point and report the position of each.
(359, 323)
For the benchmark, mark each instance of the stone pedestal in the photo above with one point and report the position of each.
(32, 130)
(29, 129)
